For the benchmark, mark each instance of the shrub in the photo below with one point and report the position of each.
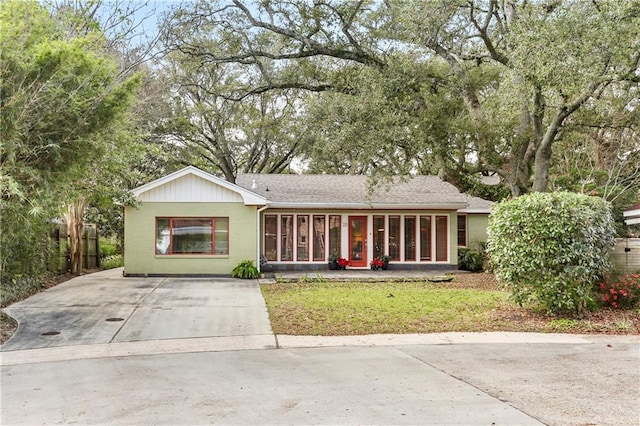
(245, 270)
(551, 248)
(620, 290)
(18, 287)
(473, 259)
(107, 248)
(110, 262)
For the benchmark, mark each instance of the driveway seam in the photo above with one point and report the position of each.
(473, 385)
(135, 308)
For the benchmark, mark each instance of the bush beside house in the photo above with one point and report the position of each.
(551, 248)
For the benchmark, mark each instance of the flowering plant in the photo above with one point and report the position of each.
(376, 263)
(621, 291)
(342, 262)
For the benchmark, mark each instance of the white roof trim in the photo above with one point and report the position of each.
(476, 211)
(631, 213)
(249, 198)
(363, 206)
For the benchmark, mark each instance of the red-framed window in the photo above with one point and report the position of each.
(335, 237)
(302, 252)
(271, 237)
(319, 237)
(192, 235)
(409, 238)
(394, 238)
(286, 237)
(442, 228)
(425, 237)
(462, 230)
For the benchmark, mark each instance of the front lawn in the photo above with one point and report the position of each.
(471, 302)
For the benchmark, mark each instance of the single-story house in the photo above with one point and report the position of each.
(193, 223)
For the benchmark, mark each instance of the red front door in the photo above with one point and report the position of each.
(358, 241)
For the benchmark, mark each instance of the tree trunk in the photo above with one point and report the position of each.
(544, 151)
(75, 229)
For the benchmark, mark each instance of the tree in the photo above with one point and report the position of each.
(512, 64)
(257, 134)
(60, 100)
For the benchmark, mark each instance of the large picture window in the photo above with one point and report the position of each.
(192, 235)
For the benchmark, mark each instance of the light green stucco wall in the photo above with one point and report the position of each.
(139, 238)
(477, 228)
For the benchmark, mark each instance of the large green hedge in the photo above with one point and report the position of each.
(550, 248)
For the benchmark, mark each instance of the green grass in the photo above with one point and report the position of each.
(368, 308)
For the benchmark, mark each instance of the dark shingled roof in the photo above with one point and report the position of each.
(350, 191)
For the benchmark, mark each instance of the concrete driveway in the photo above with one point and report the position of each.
(180, 355)
(106, 307)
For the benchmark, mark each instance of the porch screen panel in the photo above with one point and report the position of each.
(271, 237)
(286, 244)
(335, 223)
(378, 236)
(221, 235)
(303, 238)
(441, 238)
(318, 238)
(409, 238)
(425, 237)
(394, 237)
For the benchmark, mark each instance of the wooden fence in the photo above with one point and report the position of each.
(626, 254)
(60, 240)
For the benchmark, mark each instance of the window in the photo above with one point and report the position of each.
(378, 236)
(425, 237)
(192, 235)
(286, 246)
(303, 238)
(462, 230)
(394, 237)
(271, 237)
(441, 239)
(409, 238)
(335, 222)
(318, 238)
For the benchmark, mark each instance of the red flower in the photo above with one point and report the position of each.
(342, 262)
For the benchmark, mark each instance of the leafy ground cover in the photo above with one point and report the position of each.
(471, 302)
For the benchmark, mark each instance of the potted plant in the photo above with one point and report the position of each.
(333, 262)
(342, 263)
(385, 261)
(376, 264)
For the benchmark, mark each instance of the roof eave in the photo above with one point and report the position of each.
(475, 211)
(366, 206)
(249, 198)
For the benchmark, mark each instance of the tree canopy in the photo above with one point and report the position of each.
(467, 87)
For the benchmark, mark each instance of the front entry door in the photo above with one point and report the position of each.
(358, 241)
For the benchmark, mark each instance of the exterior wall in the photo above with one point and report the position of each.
(477, 228)
(140, 234)
(625, 256)
(452, 254)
